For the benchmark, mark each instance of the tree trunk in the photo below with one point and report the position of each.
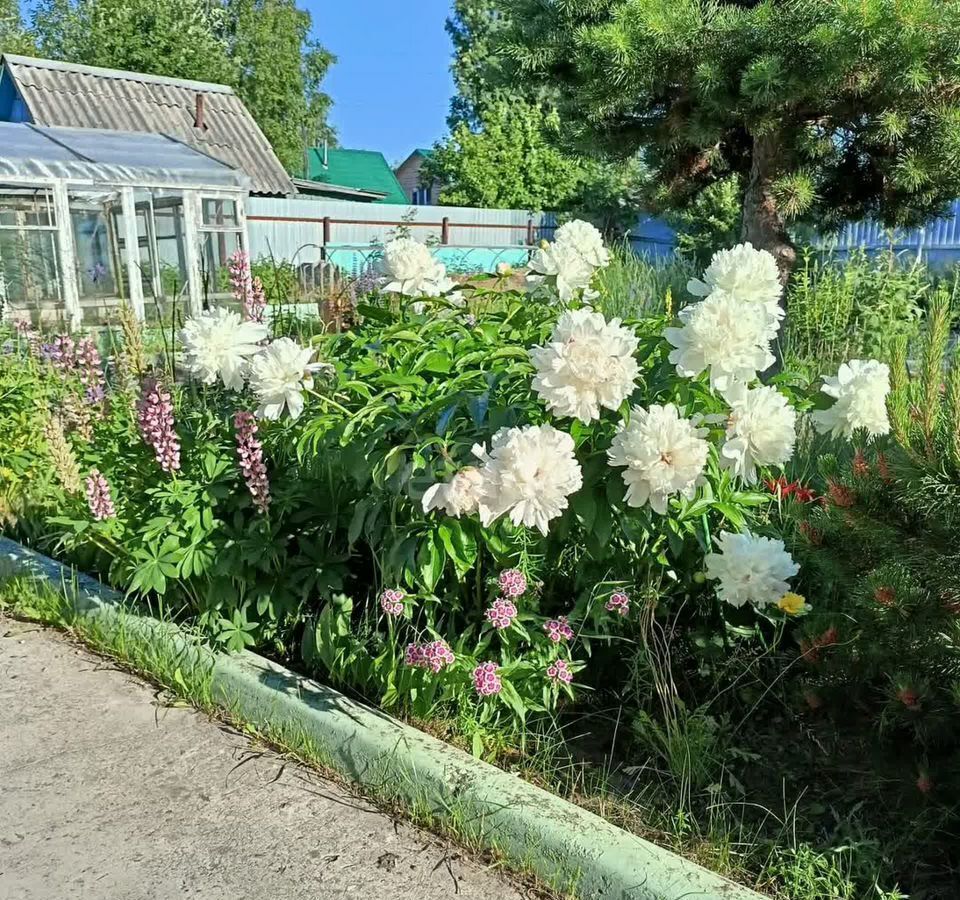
(763, 224)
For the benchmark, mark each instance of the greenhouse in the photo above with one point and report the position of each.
(90, 219)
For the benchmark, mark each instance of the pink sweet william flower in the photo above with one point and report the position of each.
(391, 601)
(414, 656)
(559, 670)
(501, 614)
(250, 456)
(434, 656)
(438, 654)
(156, 426)
(618, 603)
(485, 679)
(99, 498)
(512, 583)
(558, 629)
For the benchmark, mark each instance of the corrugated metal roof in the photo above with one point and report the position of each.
(110, 157)
(64, 94)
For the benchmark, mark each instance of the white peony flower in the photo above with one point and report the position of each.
(761, 430)
(566, 267)
(217, 344)
(750, 569)
(722, 334)
(587, 364)
(279, 374)
(860, 388)
(664, 455)
(748, 274)
(459, 496)
(586, 239)
(528, 474)
(412, 270)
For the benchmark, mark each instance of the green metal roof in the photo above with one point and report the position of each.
(424, 151)
(365, 170)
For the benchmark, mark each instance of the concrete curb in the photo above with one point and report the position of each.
(566, 846)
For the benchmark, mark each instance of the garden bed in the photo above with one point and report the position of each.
(571, 545)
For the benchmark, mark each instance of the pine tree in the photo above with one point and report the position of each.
(827, 109)
(880, 558)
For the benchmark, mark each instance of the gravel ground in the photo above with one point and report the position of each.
(106, 792)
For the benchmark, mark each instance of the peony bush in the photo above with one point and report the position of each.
(469, 500)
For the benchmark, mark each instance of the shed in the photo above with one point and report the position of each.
(208, 117)
(92, 218)
(342, 174)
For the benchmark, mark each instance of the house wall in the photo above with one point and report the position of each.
(408, 174)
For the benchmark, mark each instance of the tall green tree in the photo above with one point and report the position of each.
(474, 27)
(826, 109)
(508, 162)
(14, 37)
(279, 74)
(261, 48)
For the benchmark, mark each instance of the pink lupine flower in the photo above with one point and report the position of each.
(89, 365)
(99, 498)
(60, 353)
(391, 601)
(485, 679)
(558, 629)
(512, 582)
(250, 455)
(502, 613)
(559, 670)
(618, 603)
(247, 289)
(156, 426)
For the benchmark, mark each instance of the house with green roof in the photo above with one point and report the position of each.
(340, 174)
(409, 175)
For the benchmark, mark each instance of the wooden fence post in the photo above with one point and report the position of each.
(530, 232)
(445, 230)
(326, 236)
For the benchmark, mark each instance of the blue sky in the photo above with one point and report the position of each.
(391, 87)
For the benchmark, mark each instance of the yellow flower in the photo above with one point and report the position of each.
(792, 604)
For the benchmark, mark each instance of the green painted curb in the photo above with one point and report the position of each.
(565, 845)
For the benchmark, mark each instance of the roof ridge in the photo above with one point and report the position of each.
(34, 62)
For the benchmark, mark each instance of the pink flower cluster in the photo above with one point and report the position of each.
(512, 583)
(559, 670)
(246, 288)
(391, 601)
(156, 426)
(99, 498)
(558, 629)
(434, 655)
(88, 363)
(618, 603)
(502, 613)
(485, 679)
(250, 454)
(60, 353)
